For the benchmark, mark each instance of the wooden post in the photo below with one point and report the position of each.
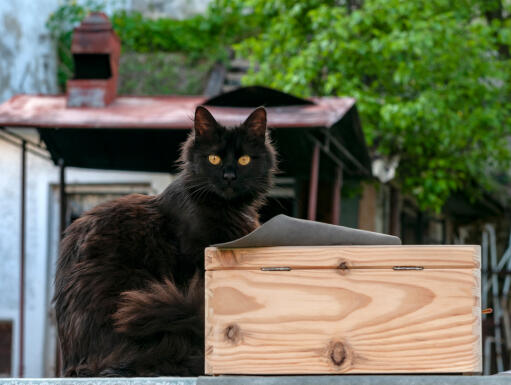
(313, 189)
(62, 197)
(62, 227)
(395, 212)
(367, 208)
(336, 196)
(22, 258)
(419, 228)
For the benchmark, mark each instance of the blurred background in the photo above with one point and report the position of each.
(391, 116)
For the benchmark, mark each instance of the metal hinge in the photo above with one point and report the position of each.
(285, 268)
(275, 268)
(408, 268)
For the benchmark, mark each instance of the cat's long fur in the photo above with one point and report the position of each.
(129, 283)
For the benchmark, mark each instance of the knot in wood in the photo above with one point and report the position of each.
(343, 267)
(337, 354)
(232, 333)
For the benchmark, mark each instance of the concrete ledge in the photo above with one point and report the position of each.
(357, 380)
(272, 380)
(101, 381)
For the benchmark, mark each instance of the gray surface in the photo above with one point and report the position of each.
(273, 380)
(100, 381)
(286, 231)
(356, 380)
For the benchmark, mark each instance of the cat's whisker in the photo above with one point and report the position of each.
(199, 191)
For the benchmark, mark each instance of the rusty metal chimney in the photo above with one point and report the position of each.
(96, 50)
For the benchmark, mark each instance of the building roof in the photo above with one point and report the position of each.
(145, 133)
(165, 112)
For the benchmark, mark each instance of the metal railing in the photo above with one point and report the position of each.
(495, 288)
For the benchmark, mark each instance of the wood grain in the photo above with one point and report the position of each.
(353, 257)
(355, 321)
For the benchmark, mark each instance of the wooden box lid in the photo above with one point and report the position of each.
(344, 257)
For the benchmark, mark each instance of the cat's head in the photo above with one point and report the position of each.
(231, 164)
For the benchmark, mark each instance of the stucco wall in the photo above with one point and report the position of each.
(40, 243)
(27, 55)
(178, 9)
(27, 65)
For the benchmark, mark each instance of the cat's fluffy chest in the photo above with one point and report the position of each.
(212, 227)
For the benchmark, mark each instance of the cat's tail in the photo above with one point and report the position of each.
(161, 309)
(165, 327)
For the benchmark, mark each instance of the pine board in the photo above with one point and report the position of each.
(331, 321)
(354, 257)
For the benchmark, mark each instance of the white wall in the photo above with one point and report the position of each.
(27, 65)
(41, 175)
(178, 9)
(27, 56)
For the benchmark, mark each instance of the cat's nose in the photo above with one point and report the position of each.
(229, 175)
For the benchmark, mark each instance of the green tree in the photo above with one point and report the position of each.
(432, 78)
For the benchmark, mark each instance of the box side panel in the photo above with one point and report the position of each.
(478, 345)
(325, 321)
(207, 321)
(331, 257)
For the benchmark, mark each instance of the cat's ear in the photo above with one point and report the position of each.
(204, 123)
(256, 122)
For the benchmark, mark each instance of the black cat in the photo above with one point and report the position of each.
(129, 292)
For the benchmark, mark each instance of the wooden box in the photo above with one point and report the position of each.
(343, 309)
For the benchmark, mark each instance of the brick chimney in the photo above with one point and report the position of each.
(96, 50)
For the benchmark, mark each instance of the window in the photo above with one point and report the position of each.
(5, 348)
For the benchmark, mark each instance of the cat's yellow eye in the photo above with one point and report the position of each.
(214, 159)
(244, 160)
